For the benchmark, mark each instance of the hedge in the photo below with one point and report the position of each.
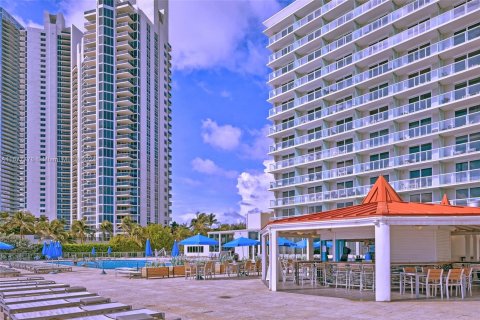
(86, 247)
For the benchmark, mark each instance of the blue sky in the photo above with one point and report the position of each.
(219, 99)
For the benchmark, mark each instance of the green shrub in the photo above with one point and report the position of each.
(120, 243)
(86, 247)
(21, 245)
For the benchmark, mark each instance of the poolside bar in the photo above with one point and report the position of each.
(403, 234)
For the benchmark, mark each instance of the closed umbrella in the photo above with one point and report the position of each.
(5, 246)
(45, 248)
(60, 247)
(175, 250)
(94, 253)
(51, 250)
(148, 249)
(109, 251)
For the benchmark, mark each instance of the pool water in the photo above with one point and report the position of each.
(108, 264)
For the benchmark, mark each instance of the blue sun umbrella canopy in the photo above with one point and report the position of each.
(198, 240)
(5, 246)
(283, 242)
(148, 249)
(94, 252)
(241, 242)
(109, 250)
(175, 250)
(302, 244)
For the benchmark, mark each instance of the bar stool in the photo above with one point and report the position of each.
(340, 273)
(355, 276)
(368, 277)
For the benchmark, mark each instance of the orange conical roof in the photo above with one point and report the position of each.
(445, 200)
(381, 191)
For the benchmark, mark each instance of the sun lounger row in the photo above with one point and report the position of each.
(8, 272)
(39, 267)
(35, 299)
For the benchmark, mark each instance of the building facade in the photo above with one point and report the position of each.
(121, 115)
(10, 93)
(363, 88)
(45, 119)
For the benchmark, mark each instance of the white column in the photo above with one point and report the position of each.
(382, 262)
(264, 256)
(273, 260)
(475, 248)
(468, 247)
(310, 249)
(334, 248)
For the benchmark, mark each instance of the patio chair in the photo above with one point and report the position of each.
(355, 276)
(248, 267)
(468, 272)
(340, 273)
(433, 281)
(409, 279)
(208, 270)
(455, 279)
(368, 277)
(286, 275)
(233, 269)
(190, 270)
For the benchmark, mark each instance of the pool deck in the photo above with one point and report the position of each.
(248, 298)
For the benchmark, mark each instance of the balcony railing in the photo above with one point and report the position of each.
(387, 43)
(394, 88)
(433, 128)
(434, 181)
(397, 161)
(432, 49)
(300, 23)
(339, 21)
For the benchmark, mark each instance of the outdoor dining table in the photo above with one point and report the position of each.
(417, 276)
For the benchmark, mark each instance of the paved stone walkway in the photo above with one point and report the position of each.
(249, 299)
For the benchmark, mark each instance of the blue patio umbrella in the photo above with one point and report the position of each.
(199, 240)
(283, 242)
(5, 246)
(302, 244)
(109, 251)
(94, 253)
(51, 250)
(45, 248)
(175, 250)
(148, 249)
(241, 242)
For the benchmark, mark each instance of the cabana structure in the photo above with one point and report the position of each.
(403, 233)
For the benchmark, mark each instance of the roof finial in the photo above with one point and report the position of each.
(445, 200)
(381, 191)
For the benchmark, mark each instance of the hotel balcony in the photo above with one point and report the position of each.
(448, 48)
(420, 33)
(455, 152)
(453, 72)
(396, 138)
(424, 183)
(451, 99)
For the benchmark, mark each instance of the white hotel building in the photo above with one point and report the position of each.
(363, 88)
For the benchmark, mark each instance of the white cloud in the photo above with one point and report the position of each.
(27, 23)
(258, 148)
(73, 11)
(209, 167)
(224, 137)
(221, 35)
(253, 189)
(226, 94)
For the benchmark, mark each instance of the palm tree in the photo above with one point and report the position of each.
(127, 225)
(137, 235)
(56, 231)
(106, 227)
(80, 229)
(211, 219)
(4, 222)
(23, 223)
(199, 224)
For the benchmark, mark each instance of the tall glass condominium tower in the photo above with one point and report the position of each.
(363, 88)
(121, 115)
(10, 60)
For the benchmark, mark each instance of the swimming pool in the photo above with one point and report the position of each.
(109, 264)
